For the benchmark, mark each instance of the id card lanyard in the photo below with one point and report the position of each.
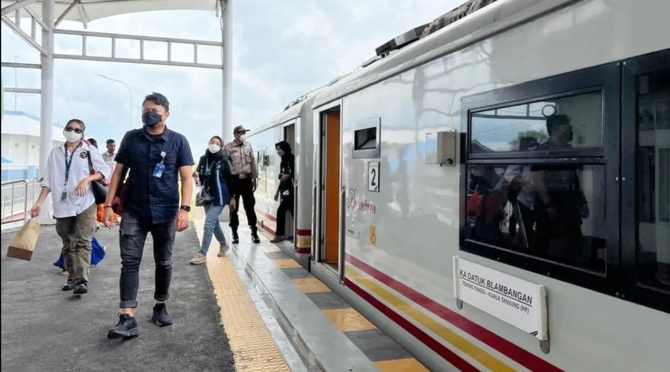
(160, 167)
(68, 164)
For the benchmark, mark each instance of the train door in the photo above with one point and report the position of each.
(330, 212)
(289, 136)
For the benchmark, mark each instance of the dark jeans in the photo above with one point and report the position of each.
(245, 190)
(286, 205)
(133, 235)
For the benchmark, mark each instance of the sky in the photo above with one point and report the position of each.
(281, 50)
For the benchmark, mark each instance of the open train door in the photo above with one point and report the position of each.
(330, 247)
(291, 218)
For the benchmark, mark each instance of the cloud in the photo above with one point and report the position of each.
(282, 49)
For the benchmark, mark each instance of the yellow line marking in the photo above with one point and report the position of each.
(443, 332)
(348, 320)
(310, 285)
(253, 348)
(401, 365)
(286, 263)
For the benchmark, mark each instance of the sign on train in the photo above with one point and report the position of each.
(510, 299)
(373, 176)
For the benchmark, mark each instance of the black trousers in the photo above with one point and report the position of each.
(133, 234)
(286, 205)
(246, 191)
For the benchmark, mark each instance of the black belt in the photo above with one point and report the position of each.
(243, 176)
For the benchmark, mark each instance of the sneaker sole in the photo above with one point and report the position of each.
(161, 324)
(198, 262)
(81, 291)
(114, 335)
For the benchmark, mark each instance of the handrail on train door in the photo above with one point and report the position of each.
(340, 259)
(25, 199)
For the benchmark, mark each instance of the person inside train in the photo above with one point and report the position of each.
(214, 170)
(285, 189)
(560, 203)
(485, 202)
(520, 193)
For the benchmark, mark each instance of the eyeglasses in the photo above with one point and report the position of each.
(76, 130)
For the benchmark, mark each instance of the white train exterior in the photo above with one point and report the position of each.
(385, 160)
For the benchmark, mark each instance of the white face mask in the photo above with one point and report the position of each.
(72, 136)
(213, 148)
(243, 137)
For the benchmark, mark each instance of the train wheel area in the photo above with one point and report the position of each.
(329, 334)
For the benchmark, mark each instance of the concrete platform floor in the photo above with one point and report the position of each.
(45, 329)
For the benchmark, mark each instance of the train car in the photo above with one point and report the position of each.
(293, 125)
(496, 195)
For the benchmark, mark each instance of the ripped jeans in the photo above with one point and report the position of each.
(133, 235)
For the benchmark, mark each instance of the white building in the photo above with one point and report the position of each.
(21, 138)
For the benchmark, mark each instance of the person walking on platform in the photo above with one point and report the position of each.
(156, 159)
(109, 155)
(285, 189)
(214, 170)
(68, 176)
(245, 174)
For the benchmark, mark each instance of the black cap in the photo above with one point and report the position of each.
(240, 128)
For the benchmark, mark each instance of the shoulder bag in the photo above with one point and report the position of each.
(97, 187)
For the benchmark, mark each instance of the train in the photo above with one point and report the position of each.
(492, 189)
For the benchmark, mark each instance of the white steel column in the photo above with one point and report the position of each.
(47, 97)
(227, 62)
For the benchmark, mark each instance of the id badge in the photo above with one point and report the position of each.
(63, 195)
(158, 171)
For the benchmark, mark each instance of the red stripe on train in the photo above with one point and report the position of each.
(514, 352)
(420, 335)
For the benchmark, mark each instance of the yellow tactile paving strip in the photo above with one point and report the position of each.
(253, 348)
(310, 285)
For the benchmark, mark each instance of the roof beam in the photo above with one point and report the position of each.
(16, 6)
(25, 37)
(21, 65)
(66, 12)
(23, 90)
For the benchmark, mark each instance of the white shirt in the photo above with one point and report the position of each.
(109, 160)
(525, 196)
(54, 179)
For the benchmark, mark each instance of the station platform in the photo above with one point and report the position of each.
(254, 310)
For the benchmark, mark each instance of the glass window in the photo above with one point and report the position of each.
(552, 211)
(560, 124)
(653, 179)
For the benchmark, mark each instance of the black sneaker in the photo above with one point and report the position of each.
(81, 289)
(68, 286)
(236, 238)
(255, 238)
(277, 239)
(126, 328)
(161, 317)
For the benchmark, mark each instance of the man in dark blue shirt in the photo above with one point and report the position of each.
(155, 159)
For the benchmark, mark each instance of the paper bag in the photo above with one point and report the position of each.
(23, 244)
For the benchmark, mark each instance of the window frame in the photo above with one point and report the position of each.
(605, 78)
(633, 289)
(371, 153)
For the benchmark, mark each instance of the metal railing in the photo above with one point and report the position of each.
(17, 197)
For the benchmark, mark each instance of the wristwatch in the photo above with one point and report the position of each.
(186, 208)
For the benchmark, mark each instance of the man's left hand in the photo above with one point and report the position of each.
(181, 222)
(253, 185)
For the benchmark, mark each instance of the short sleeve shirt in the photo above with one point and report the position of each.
(151, 198)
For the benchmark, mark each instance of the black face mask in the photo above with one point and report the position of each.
(151, 118)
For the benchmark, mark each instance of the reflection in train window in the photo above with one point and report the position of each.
(365, 139)
(555, 212)
(653, 179)
(503, 129)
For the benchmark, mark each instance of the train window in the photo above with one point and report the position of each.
(653, 179)
(367, 143)
(556, 125)
(551, 211)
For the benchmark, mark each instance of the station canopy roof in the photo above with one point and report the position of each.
(90, 10)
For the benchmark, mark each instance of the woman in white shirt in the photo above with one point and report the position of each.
(68, 177)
